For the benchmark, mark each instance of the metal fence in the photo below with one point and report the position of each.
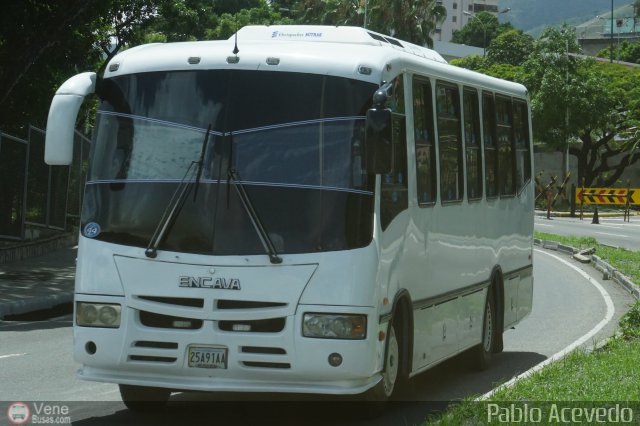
(34, 194)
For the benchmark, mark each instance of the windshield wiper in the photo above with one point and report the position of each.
(177, 202)
(265, 239)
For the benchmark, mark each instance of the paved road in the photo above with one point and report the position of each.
(36, 364)
(612, 231)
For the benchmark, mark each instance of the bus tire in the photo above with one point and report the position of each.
(386, 388)
(143, 398)
(482, 353)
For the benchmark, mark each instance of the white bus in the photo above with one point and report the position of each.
(300, 209)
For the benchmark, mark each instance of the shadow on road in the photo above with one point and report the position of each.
(433, 392)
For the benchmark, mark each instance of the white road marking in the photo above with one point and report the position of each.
(612, 235)
(543, 224)
(564, 352)
(11, 355)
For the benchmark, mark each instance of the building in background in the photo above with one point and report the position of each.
(456, 18)
(595, 34)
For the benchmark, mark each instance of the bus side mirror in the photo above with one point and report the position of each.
(378, 140)
(63, 112)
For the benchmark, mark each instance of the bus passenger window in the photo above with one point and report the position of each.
(472, 144)
(523, 156)
(504, 131)
(394, 185)
(489, 136)
(449, 142)
(424, 142)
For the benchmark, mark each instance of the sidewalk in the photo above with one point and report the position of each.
(37, 283)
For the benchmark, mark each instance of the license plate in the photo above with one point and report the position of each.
(207, 357)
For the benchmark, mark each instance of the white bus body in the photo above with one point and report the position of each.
(208, 310)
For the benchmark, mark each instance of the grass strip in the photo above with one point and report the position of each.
(625, 261)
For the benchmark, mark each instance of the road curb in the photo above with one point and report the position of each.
(23, 306)
(608, 271)
(541, 213)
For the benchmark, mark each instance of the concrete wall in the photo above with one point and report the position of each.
(551, 164)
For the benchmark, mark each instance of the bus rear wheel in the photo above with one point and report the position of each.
(143, 398)
(482, 353)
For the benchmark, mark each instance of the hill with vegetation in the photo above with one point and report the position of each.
(528, 15)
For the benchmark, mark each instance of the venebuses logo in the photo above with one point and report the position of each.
(18, 413)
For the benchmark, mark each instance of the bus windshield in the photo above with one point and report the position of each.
(294, 139)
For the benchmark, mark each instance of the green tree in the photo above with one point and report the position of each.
(480, 30)
(510, 47)
(471, 62)
(627, 52)
(228, 24)
(41, 42)
(329, 12)
(410, 20)
(575, 99)
(593, 106)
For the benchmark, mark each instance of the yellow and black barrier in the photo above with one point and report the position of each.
(608, 196)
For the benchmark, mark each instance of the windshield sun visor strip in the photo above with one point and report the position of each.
(158, 121)
(299, 123)
(237, 132)
(250, 183)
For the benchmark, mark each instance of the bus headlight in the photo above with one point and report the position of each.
(334, 326)
(98, 315)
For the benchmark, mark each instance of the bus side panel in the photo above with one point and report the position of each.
(525, 294)
(436, 333)
(470, 319)
(511, 300)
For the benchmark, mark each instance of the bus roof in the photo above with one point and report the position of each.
(350, 52)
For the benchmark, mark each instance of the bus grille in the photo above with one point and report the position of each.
(154, 320)
(147, 358)
(272, 325)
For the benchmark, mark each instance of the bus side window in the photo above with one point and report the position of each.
(449, 142)
(490, 155)
(472, 144)
(506, 160)
(394, 185)
(523, 156)
(424, 142)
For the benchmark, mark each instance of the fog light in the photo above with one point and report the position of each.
(335, 359)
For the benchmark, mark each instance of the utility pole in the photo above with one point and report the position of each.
(611, 36)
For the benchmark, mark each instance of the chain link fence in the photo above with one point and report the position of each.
(34, 195)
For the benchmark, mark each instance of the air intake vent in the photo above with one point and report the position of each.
(272, 325)
(151, 319)
(155, 345)
(194, 60)
(245, 304)
(394, 42)
(262, 350)
(278, 365)
(377, 37)
(180, 301)
(162, 359)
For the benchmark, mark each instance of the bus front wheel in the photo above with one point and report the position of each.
(386, 387)
(143, 398)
